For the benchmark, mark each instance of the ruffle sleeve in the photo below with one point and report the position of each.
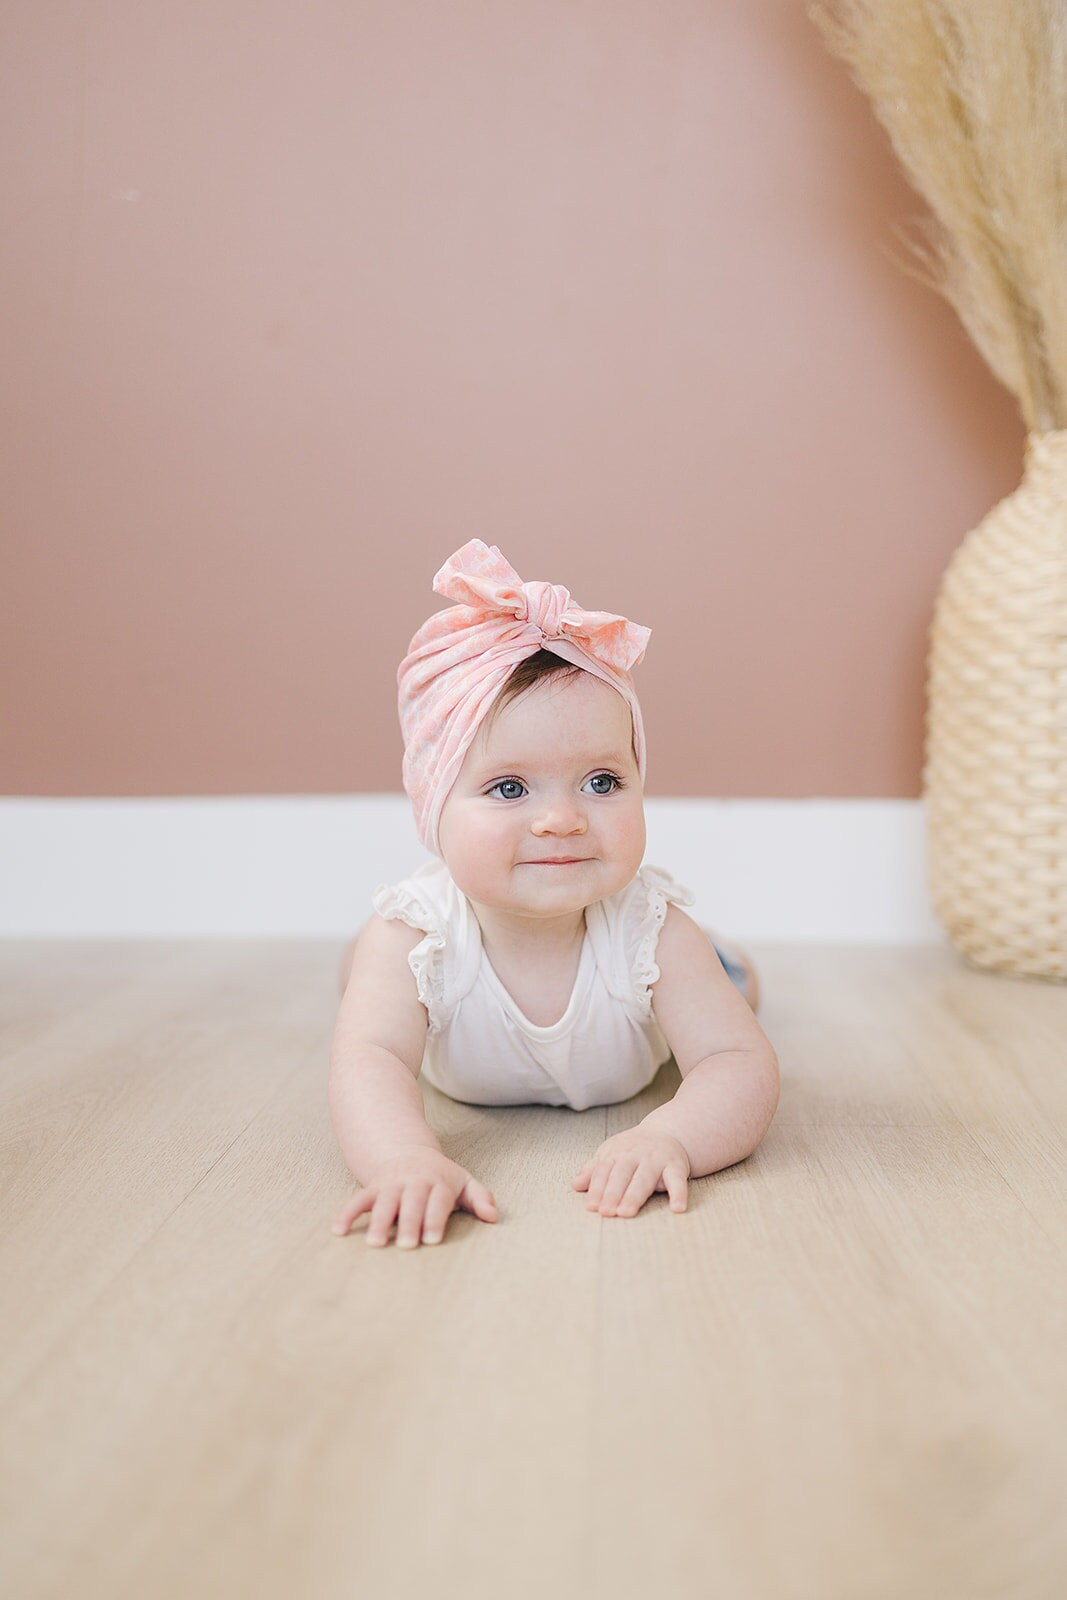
(644, 914)
(408, 902)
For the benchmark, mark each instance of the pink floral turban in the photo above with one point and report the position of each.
(461, 657)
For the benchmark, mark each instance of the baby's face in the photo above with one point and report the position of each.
(547, 814)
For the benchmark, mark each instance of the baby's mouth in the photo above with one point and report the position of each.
(558, 861)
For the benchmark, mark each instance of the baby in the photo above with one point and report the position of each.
(536, 961)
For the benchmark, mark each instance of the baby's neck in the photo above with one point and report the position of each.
(510, 937)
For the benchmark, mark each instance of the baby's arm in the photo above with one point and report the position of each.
(728, 1093)
(376, 1105)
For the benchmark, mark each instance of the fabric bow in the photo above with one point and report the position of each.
(478, 576)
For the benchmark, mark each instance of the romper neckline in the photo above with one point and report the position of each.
(553, 1030)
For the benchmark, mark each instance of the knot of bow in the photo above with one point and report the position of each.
(480, 577)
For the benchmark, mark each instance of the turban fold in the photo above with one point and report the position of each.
(460, 658)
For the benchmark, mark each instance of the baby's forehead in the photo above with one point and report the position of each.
(560, 719)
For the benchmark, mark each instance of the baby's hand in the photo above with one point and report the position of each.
(418, 1191)
(629, 1167)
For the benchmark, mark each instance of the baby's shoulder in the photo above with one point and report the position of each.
(379, 982)
(444, 948)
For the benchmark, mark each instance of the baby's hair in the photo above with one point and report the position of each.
(535, 669)
(542, 664)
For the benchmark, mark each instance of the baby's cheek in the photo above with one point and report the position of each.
(477, 854)
(632, 837)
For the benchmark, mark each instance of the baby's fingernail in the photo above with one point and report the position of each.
(431, 1238)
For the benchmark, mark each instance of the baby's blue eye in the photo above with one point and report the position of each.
(603, 783)
(509, 789)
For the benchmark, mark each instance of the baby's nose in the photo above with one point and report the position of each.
(560, 816)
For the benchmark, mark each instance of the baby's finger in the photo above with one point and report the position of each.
(384, 1214)
(438, 1210)
(412, 1205)
(581, 1179)
(602, 1171)
(617, 1184)
(476, 1197)
(677, 1181)
(641, 1185)
(353, 1208)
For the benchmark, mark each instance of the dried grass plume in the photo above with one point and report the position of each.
(973, 94)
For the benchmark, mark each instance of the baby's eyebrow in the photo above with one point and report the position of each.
(614, 758)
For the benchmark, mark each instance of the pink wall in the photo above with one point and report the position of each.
(299, 297)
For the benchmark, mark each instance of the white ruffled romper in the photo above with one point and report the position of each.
(481, 1048)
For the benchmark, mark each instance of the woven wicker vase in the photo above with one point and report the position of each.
(996, 744)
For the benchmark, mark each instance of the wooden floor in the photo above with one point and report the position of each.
(842, 1375)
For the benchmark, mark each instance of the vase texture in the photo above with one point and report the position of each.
(995, 778)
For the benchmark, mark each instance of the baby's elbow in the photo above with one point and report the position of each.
(773, 1080)
(766, 1082)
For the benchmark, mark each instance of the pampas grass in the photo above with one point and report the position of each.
(973, 95)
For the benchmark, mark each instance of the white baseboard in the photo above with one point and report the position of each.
(265, 867)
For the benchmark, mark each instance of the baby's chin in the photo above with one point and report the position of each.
(579, 882)
(537, 890)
